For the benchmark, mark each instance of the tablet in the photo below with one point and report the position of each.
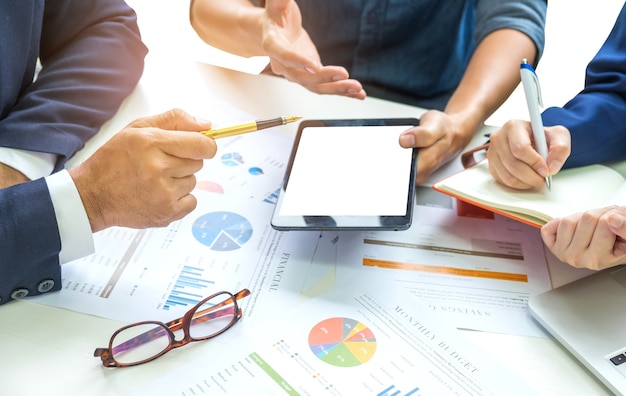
(348, 174)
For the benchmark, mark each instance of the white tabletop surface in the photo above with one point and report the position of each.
(49, 350)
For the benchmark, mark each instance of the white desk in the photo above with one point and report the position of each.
(49, 351)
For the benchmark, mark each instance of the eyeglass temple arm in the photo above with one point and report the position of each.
(207, 314)
(174, 325)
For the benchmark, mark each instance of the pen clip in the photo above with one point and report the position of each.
(539, 98)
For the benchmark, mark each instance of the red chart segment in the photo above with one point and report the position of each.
(342, 342)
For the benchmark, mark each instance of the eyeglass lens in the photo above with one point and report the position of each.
(140, 342)
(214, 316)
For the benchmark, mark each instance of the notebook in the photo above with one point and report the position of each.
(588, 317)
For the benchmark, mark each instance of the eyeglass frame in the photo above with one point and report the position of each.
(184, 323)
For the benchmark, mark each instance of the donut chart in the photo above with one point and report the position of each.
(222, 231)
(342, 342)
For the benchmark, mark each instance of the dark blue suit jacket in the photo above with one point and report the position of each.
(92, 57)
(596, 117)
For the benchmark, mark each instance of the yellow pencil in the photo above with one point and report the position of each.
(249, 127)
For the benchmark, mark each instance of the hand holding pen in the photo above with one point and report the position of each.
(522, 154)
(532, 91)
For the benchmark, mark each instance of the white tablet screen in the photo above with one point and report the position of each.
(349, 171)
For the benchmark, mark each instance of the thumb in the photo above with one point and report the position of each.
(559, 147)
(275, 8)
(617, 224)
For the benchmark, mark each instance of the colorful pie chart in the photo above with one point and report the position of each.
(342, 342)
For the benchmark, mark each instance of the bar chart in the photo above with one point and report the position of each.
(188, 289)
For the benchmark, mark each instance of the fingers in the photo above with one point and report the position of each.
(286, 60)
(183, 145)
(513, 160)
(439, 139)
(284, 39)
(515, 174)
(325, 80)
(433, 126)
(276, 8)
(176, 203)
(174, 120)
(587, 240)
(176, 139)
(616, 221)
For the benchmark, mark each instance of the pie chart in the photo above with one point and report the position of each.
(342, 342)
(209, 186)
(222, 231)
(232, 159)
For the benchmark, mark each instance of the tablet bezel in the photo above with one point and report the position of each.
(395, 223)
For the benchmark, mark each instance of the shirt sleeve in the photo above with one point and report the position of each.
(595, 116)
(526, 16)
(74, 228)
(92, 57)
(32, 164)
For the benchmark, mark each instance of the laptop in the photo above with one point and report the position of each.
(588, 317)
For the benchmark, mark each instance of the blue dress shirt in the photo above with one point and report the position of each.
(413, 51)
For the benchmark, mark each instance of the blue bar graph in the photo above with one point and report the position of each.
(393, 391)
(188, 288)
(273, 197)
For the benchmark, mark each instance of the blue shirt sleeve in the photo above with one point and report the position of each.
(526, 16)
(596, 117)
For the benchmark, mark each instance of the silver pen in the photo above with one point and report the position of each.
(532, 91)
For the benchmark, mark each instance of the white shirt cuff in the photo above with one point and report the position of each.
(32, 164)
(74, 227)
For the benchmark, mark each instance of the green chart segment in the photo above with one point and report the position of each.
(342, 342)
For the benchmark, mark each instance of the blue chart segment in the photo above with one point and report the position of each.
(188, 288)
(232, 159)
(255, 170)
(222, 231)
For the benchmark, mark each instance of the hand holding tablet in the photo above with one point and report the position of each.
(348, 174)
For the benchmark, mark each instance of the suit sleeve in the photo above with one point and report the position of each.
(29, 241)
(92, 57)
(596, 116)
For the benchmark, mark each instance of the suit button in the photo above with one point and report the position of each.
(19, 293)
(45, 286)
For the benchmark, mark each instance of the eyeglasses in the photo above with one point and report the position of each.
(143, 342)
